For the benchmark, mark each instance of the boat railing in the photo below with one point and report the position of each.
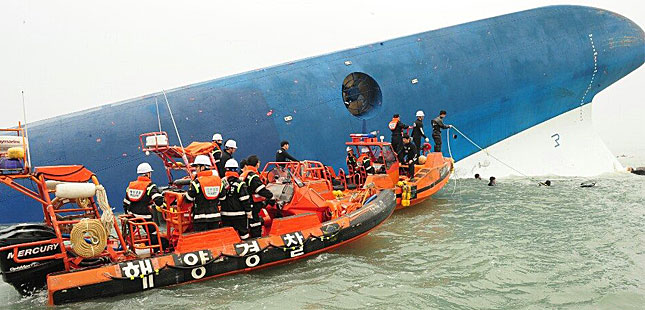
(134, 226)
(12, 139)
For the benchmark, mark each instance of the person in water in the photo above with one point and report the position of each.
(545, 183)
(492, 181)
(477, 176)
(437, 125)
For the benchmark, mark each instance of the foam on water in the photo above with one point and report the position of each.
(514, 246)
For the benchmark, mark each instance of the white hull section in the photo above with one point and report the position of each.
(567, 145)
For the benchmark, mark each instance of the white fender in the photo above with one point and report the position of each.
(75, 190)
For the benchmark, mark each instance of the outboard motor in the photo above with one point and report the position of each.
(28, 277)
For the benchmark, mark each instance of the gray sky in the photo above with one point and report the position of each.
(72, 55)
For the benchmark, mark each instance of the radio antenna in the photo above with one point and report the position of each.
(158, 117)
(24, 117)
(183, 152)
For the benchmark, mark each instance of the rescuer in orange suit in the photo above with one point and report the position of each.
(141, 195)
(366, 161)
(204, 192)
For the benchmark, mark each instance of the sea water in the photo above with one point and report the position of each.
(471, 246)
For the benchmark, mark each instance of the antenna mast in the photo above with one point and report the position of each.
(24, 117)
(183, 152)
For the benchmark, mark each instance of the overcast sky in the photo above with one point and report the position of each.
(72, 55)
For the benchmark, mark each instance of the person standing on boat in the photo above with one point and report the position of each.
(282, 155)
(437, 125)
(229, 148)
(217, 151)
(235, 201)
(204, 192)
(417, 131)
(260, 194)
(141, 195)
(397, 127)
(408, 154)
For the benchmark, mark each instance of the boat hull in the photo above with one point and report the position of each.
(194, 262)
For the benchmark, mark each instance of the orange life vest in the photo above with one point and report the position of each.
(393, 122)
(137, 189)
(256, 197)
(209, 183)
(363, 158)
(246, 172)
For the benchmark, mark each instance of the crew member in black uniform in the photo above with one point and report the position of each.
(235, 202)
(417, 131)
(141, 195)
(351, 160)
(229, 148)
(408, 155)
(281, 155)
(260, 194)
(217, 152)
(437, 125)
(397, 127)
(204, 192)
(352, 166)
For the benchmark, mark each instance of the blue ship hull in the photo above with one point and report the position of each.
(496, 77)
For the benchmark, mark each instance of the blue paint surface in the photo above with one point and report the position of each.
(495, 77)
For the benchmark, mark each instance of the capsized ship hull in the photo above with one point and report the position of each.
(497, 78)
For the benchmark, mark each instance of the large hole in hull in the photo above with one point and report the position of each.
(361, 94)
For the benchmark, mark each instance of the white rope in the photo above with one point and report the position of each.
(158, 117)
(24, 116)
(183, 152)
(107, 217)
(454, 188)
(487, 153)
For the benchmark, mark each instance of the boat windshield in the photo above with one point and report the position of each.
(389, 155)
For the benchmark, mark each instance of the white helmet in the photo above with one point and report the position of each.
(420, 113)
(201, 160)
(348, 149)
(217, 137)
(231, 144)
(144, 168)
(365, 149)
(231, 163)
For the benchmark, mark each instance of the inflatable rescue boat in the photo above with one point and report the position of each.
(431, 173)
(82, 251)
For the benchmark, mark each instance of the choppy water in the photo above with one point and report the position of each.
(514, 246)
